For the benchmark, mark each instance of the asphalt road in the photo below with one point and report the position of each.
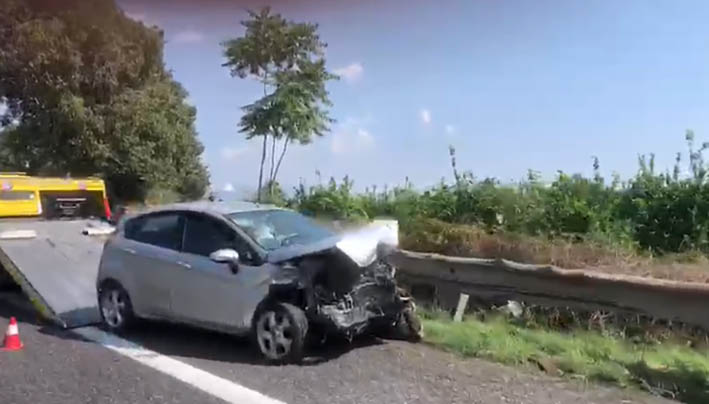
(55, 367)
(58, 367)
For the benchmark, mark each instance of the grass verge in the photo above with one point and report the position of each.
(667, 369)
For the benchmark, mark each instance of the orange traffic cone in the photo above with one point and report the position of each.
(12, 337)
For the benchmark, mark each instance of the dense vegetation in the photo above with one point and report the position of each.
(655, 212)
(86, 92)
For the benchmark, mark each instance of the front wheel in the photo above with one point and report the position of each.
(408, 326)
(115, 307)
(280, 331)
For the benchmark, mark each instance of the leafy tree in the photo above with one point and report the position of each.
(89, 94)
(287, 58)
(276, 195)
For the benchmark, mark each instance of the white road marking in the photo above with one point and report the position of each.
(221, 388)
(17, 234)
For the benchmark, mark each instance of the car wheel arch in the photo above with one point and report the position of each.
(111, 281)
(283, 293)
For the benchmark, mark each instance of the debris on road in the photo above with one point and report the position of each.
(548, 365)
(514, 308)
(98, 229)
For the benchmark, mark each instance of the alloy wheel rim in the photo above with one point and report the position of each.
(113, 308)
(275, 334)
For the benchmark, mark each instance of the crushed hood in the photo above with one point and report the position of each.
(363, 246)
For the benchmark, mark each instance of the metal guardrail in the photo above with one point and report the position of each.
(501, 280)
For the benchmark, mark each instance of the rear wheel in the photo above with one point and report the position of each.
(115, 307)
(280, 331)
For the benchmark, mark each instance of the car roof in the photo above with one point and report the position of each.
(218, 208)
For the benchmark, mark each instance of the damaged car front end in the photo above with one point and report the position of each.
(343, 284)
(340, 296)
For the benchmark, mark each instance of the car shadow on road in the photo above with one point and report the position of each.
(189, 342)
(182, 341)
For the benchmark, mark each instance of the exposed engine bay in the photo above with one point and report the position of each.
(341, 296)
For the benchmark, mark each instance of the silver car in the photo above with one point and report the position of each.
(243, 269)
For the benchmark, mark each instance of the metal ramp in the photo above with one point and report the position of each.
(56, 266)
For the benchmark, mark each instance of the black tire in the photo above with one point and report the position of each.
(273, 325)
(125, 316)
(408, 326)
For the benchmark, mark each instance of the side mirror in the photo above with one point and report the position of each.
(226, 256)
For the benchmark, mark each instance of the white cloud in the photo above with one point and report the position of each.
(348, 140)
(365, 137)
(351, 72)
(228, 187)
(233, 153)
(425, 116)
(188, 37)
(450, 129)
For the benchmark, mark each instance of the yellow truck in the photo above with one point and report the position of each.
(52, 197)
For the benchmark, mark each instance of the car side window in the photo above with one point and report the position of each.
(204, 235)
(246, 253)
(162, 230)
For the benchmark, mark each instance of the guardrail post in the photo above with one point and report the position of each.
(462, 304)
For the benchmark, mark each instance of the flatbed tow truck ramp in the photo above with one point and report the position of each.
(56, 265)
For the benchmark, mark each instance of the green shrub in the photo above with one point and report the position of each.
(661, 213)
(161, 196)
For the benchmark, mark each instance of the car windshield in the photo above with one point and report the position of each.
(273, 229)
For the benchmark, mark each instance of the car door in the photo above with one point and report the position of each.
(213, 293)
(151, 249)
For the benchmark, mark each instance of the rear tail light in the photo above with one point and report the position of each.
(107, 208)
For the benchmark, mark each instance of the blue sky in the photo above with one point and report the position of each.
(512, 85)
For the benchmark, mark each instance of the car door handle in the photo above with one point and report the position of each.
(184, 264)
(128, 250)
